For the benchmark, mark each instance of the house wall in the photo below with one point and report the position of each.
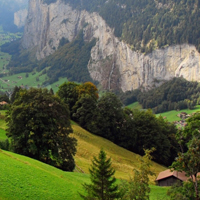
(169, 181)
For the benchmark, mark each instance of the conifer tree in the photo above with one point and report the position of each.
(102, 185)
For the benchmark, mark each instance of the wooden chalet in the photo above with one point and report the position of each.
(168, 177)
(3, 103)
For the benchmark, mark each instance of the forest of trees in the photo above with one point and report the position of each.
(134, 130)
(175, 94)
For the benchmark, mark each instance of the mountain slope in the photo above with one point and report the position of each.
(114, 61)
(123, 160)
(138, 43)
(25, 178)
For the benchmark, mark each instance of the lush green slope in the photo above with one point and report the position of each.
(171, 116)
(89, 145)
(135, 105)
(25, 178)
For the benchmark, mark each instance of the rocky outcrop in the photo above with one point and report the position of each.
(20, 17)
(112, 62)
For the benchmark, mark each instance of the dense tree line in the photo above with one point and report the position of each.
(177, 93)
(106, 117)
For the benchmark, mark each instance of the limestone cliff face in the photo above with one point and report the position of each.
(112, 62)
(20, 17)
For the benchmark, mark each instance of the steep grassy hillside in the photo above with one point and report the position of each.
(89, 145)
(123, 160)
(24, 178)
(135, 105)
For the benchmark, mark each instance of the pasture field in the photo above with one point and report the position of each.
(89, 145)
(135, 105)
(2, 134)
(4, 60)
(34, 79)
(123, 161)
(2, 125)
(171, 116)
(24, 178)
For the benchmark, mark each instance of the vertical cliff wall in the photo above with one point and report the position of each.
(112, 62)
(20, 17)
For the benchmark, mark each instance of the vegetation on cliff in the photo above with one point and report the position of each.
(149, 24)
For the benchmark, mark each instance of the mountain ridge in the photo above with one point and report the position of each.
(113, 62)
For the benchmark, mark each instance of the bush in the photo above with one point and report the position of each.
(5, 145)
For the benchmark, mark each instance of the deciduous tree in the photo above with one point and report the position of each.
(188, 159)
(137, 188)
(39, 127)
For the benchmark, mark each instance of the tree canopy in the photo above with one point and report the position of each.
(188, 159)
(39, 127)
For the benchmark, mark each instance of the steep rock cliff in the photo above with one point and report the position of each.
(112, 62)
(20, 17)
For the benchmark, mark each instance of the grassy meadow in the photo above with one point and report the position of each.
(171, 116)
(34, 79)
(135, 105)
(25, 178)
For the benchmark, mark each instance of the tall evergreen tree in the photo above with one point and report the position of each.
(103, 185)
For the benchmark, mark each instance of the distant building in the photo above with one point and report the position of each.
(3, 103)
(168, 177)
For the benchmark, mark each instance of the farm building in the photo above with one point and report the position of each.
(168, 177)
(3, 103)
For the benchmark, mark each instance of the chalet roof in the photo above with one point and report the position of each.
(168, 173)
(3, 103)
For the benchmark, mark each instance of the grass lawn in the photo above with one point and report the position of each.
(25, 178)
(158, 193)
